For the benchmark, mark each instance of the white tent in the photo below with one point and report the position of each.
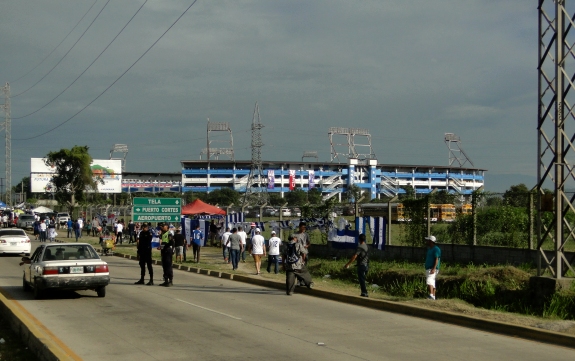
(42, 209)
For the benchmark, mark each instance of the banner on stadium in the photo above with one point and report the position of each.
(271, 179)
(311, 179)
(291, 180)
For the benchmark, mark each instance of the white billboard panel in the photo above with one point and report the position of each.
(108, 170)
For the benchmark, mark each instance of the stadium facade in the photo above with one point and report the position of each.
(332, 179)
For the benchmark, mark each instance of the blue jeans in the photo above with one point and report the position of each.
(361, 274)
(275, 261)
(226, 252)
(69, 232)
(235, 256)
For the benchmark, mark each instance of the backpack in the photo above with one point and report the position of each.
(291, 255)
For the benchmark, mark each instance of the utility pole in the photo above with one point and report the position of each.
(7, 125)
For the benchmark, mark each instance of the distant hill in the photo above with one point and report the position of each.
(499, 183)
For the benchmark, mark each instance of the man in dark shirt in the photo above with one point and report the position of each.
(132, 231)
(144, 245)
(179, 240)
(214, 232)
(362, 263)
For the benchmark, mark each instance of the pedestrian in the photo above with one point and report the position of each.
(294, 265)
(36, 229)
(258, 249)
(187, 247)
(95, 226)
(179, 241)
(132, 231)
(80, 227)
(198, 240)
(432, 262)
(167, 251)
(144, 246)
(69, 228)
(303, 239)
(244, 237)
(362, 264)
(52, 230)
(250, 234)
(43, 228)
(119, 231)
(225, 247)
(274, 244)
(234, 242)
(77, 229)
(214, 232)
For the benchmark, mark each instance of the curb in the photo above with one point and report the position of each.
(38, 340)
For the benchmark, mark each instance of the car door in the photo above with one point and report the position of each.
(33, 259)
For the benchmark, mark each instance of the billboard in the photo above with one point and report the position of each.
(108, 170)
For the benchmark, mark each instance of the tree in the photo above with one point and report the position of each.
(517, 196)
(276, 200)
(353, 193)
(73, 175)
(442, 197)
(314, 196)
(297, 197)
(224, 197)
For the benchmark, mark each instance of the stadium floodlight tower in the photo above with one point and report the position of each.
(215, 152)
(357, 146)
(120, 148)
(456, 152)
(256, 191)
(555, 136)
(339, 134)
(310, 154)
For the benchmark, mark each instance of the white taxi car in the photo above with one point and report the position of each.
(14, 240)
(66, 266)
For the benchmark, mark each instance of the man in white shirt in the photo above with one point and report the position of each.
(243, 236)
(119, 233)
(258, 249)
(43, 231)
(225, 246)
(81, 225)
(274, 244)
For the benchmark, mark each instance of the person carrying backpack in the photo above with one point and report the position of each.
(293, 264)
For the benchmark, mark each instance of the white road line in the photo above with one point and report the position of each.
(208, 309)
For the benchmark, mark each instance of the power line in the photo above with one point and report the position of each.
(115, 81)
(66, 37)
(85, 70)
(59, 61)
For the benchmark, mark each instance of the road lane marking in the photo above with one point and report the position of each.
(8, 299)
(208, 309)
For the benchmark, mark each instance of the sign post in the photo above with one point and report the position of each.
(157, 210)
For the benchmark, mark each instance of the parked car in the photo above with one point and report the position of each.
(25, 221)
(62, 218)
(14, 241)
(65, 266)
(286, 212)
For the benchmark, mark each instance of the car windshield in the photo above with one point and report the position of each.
(12, 232)
(26, 218)
(69, 252)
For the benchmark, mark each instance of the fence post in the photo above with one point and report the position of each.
(474, 216)
(530, 212)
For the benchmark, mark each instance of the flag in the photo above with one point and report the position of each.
(271, 179)
(343, 238)
(311, 180)
(291, 180)
(378, 233)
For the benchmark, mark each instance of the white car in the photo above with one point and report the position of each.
(65, 266)
(14, 240)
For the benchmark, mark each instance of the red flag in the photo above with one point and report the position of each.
(291, 180)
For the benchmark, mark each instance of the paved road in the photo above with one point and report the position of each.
(206, 318)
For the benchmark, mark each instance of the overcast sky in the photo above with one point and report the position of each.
(408, 71)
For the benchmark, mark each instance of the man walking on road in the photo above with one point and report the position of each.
(144, 246)
(274, 244)
(167, 251)
(198, 239)
(362, 264)
(244, 237)
(235, 244)
(258, 249)
(432, 262)
(226, 249)
(179, 240)
(294, 265)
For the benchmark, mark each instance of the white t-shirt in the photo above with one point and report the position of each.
(119, 227)
(42, 226)
(243, 236)
(275, 244)
(225, 237)
(258, 243)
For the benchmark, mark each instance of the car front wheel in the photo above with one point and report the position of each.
(101, 291)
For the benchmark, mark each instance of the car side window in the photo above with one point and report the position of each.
(36, 254)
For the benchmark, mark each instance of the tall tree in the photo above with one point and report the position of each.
(224, 197)
(73, 175)
(297, 197)
(517, 196)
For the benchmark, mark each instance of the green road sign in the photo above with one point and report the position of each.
(157, 209)
(138, 201)
(156, 218)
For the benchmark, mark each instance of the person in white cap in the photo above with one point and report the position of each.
(432, 262)
(274, 244)
(258, 249)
